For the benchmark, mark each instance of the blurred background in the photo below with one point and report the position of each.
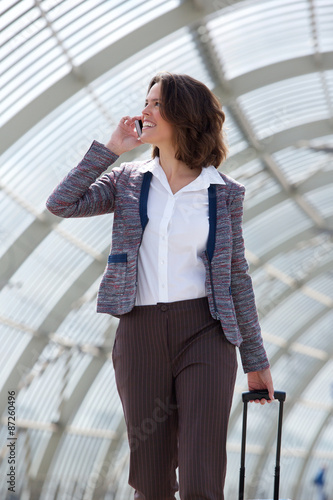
(70, 69)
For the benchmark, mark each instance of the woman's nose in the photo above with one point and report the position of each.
(145, 110)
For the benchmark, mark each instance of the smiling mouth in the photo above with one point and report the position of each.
(148, 125)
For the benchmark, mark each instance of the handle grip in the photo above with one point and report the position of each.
(262, 394)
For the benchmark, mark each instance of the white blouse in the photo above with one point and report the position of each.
(169, 263)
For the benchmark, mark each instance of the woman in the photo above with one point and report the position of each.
(177, 279)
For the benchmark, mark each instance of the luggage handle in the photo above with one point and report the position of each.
(250, 396)
(262, 394)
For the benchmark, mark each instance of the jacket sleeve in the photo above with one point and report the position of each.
(252, 350)
(79, 194)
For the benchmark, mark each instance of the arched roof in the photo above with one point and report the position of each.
(71, 69)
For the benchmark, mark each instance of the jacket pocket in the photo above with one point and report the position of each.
(114, 279)
(117, 257)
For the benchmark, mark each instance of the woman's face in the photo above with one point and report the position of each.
(155, 129)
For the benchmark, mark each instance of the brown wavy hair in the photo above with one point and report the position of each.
(197, 117)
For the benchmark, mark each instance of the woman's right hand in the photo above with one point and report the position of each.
(125, 137)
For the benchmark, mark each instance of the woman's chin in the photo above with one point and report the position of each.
(145, 139)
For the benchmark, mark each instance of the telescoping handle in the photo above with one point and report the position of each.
(262, 394)
(251, 396)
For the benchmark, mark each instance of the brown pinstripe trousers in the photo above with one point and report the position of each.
(175, 373)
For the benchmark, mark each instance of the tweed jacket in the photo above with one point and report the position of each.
(124, 191)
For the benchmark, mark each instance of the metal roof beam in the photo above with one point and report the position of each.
(273, 73)
(296, 285)
(41, 465)
(100, 63)
(285, 246)
(25, 245)
(320, 180)
(277, 142)
(296, 335)
(184, 15)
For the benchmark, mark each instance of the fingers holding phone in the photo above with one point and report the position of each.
(126, 136)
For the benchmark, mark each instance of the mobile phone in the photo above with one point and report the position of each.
(138, 126)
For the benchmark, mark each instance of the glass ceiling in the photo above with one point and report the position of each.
(70, 70)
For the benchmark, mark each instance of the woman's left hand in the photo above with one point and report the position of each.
(259, 380)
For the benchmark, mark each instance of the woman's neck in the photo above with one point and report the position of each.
(172, 167)
(177, 172)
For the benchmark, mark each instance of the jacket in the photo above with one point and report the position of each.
(124, 191)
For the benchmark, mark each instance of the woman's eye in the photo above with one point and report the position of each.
(156, 104)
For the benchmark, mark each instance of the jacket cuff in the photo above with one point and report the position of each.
(254, 360)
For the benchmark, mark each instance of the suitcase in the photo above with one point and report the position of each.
(246, 397)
